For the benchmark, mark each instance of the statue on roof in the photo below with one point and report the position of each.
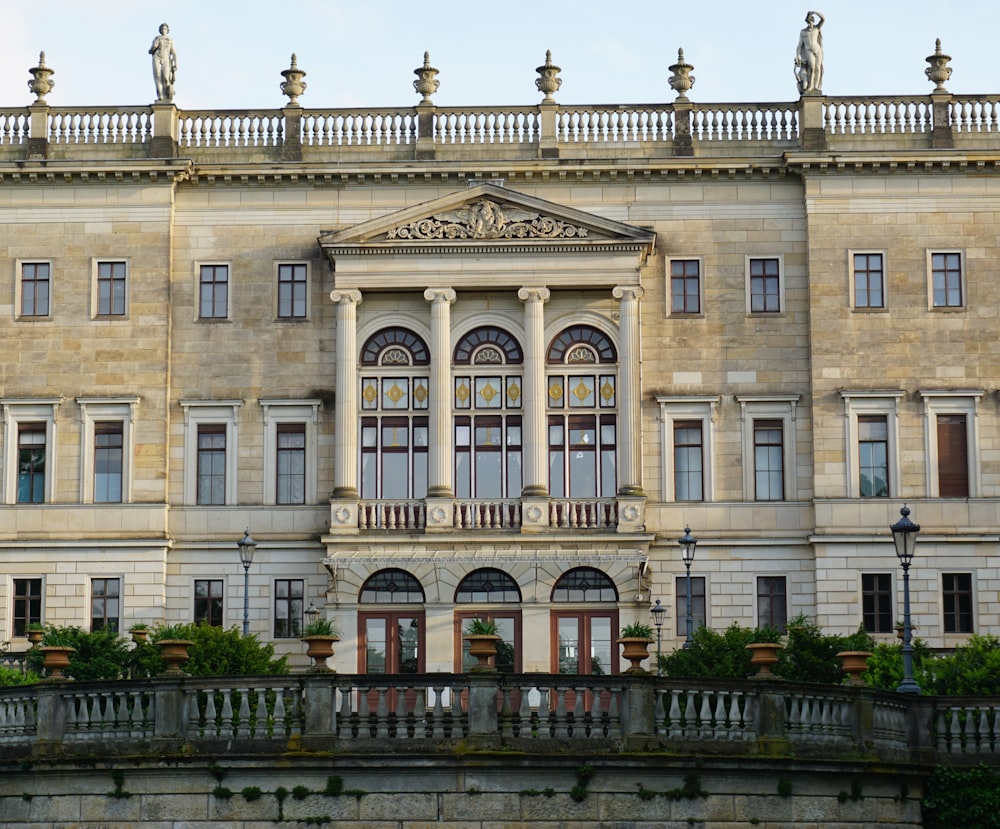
(164, 65)
(809, 56)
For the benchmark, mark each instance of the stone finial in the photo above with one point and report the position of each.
(549, 81)
(293, 85)
(426, 83)
(938, 71)
(681, 80)
(41, 82)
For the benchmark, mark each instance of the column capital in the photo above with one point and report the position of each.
(627, 292)
(349, 296)
(440, 295)
(534, 294)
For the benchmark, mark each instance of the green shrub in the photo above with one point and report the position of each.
(13, 676)
(966, 798)
(715, 655)
(101, 654)
(220, 652)
(973, 669)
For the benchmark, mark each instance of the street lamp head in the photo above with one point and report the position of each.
(904, 536)
(247, 547)
(658, 611)
(688, 544)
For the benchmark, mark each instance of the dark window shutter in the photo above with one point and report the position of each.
(953, 456)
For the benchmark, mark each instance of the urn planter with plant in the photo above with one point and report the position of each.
(764, 655)
(35, 632)
(56, 649)
(173, 644)
(483, 637)
(140, 632)
(320, 636)
(635, 640)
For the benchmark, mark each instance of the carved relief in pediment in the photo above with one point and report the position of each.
(486, 219)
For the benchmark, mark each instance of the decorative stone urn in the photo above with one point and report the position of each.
(635, 649)
(56, 660)
(426, 83)
(549, 81)
(293, 85)
(35, 637)
(764, 655)
(41, 82)
(938, 71)
(319, 648)
(140, 635)
(483, 646)
(854, 663)
(681, 80)
(175, 653)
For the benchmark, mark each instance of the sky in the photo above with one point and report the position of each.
(361, 53)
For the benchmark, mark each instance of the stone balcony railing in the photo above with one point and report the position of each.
(275, 715)
(547, 130)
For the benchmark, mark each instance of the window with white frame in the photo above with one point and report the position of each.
(105, 604)
(29, 440)
(877, 608)
(685, 286)
(768, 427)
(209, 608)
(772, 602)
(213, 291)
(946, 277)
(868, 285)
(26, 607)
(290, 450)
(765, 285)
(211, 430)
(688, 437)
(33, 298)
(292, 290)
(872, 443)
(951, 439)
(957, 601)
(106, 470)
(110, 293)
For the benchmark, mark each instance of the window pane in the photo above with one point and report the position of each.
(375, 646)
(569, 646)
(600, 645)
(688, 461)
(873, 456)
(876, 602)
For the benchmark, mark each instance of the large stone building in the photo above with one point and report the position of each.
(452, 362)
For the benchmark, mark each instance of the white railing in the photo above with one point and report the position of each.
(745, 122)
(392, 515)
(969, 114)
(718, 714)
(878, 116)
(576, 514)
(108, 714)
(245, 709)
(253, 128)
(818, 717)
(401, 708)
(17, 717)
(574, 709)
(487, 515)
(79, 125)
(15, 127)
(592, 125)
(486, 125)
(366, 127)
(968, 728)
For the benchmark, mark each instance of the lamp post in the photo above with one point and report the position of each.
(247, 547)
(657, 611)
(904, 536)
(688, 545)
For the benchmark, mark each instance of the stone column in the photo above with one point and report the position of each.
(533, 397)
(440, 450)
(629, 434)
(345, 465)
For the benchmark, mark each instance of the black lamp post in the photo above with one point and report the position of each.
(657, 611)
(688, 545)
(247, 547)
(904, 536)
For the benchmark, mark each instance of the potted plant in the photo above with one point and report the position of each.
(482, 636)
(635, 640)
(319, 637)
(140, 632)
(857, 649)
(35, 633)
(764, 655)
(56, 647)
(173, 642)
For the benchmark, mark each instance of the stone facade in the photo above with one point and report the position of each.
(539, 222)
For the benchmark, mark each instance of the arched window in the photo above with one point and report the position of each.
(490, 588)
(487, 585)
(582, 401)
(395, 394)
(584, 638)
(392, 639)
(487, 404)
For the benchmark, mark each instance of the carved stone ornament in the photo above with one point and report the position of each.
(549, 81)
(293, 85)
(426, 83)
(939, 71)
(681, 80)
(41, 82)
(486, 219)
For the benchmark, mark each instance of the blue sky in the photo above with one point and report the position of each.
(363, 53)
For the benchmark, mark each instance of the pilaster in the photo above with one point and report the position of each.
(629, 391)
(345, 472)
(439, 460)
(533, 393)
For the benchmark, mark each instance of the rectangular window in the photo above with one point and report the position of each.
(108, 443)
(213, 292)
(27, 604)
(685, 286)
(291, 463)
(111, 288)
(876, 602)
(956, 590)
(688, 461)
(698, 612)
(953, 456)
(293, 286)
(873, 456)
(31, 463)
(208, 606)
(765, 286)
(105, 604)
(35, 289)
(288, 594)
(211, 464)
(869, 285)
(772, 602)
(768, 460)
(946, 280)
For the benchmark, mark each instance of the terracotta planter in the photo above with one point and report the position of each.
(854, 663)
(139, 636)
(764, 655)
(483, 646)
(635, 649)
(175, 653)
(56, 661)
(35, 637)
(319, 648)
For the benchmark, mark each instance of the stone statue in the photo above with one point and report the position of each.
(164, 65)
(809, 56)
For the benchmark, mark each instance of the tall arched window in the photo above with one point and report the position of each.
(487, 404)
(392, 637)
(582, 401)
(584, 638)
(394, 398)
(491, 594)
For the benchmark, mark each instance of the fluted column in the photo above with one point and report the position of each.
(533, 393)
(629, 433)
(440, 450)
(345, 461)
